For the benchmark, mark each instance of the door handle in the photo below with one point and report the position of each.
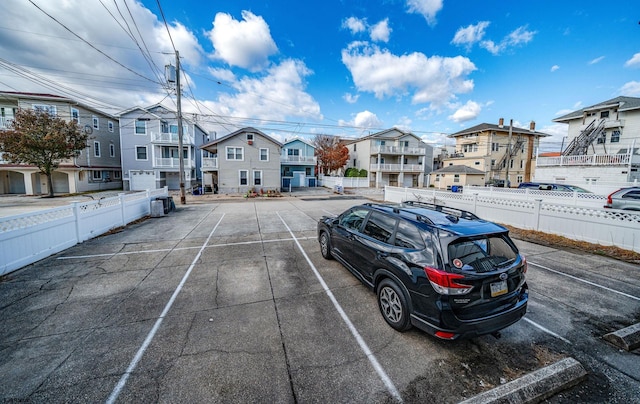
(382, 255)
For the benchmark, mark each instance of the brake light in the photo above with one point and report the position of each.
(609, 199)
(445, 335)
(445, 282)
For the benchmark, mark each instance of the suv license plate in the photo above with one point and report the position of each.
(498, 288)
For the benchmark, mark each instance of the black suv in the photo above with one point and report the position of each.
(442, 270)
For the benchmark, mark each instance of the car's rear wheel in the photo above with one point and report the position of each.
(325, 246)
(393, 305)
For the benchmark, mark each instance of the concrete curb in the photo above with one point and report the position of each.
(626, 338)
(535, 386)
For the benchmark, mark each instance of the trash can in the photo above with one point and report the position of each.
(172, 206)
(454, 188)
(157, 208)
(165, 203)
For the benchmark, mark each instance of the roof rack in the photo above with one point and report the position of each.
(397, 209)
(444, 209)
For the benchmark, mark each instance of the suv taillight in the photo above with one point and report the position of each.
(609, 199)
(445, 282)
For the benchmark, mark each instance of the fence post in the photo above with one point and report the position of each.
(536, 214)
(76, 216)
(405, 193)
(122, 209)
(475, 204)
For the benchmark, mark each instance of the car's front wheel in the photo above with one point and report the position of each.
(393, 305)
(325, 246)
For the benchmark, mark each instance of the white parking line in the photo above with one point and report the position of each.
(123, 380)
(585, 281)
(363, 345)
(533, 323)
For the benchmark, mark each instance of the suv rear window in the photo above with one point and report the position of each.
(482, 254)
(380, 227)
(408, 236)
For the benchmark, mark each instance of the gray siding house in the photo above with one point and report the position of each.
(150, 156)
(96, 168)
(241, 161)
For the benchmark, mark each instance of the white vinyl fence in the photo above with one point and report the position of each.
(30, 237)
(582, 199)
(594, 225)
(345, 182)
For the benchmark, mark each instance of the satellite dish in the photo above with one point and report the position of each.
(87, 129)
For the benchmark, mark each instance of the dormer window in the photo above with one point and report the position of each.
(604, 114)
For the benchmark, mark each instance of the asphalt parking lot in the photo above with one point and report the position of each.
(232, 302)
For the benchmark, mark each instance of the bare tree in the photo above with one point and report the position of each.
(39, 139)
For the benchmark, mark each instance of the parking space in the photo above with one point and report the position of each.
(232, 302)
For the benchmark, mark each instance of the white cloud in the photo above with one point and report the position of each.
(404, 123)
(222, 74)
(467, 112)
(634, 61)
(355, 25)
(247, 43)
(351, 98)
(471, 34)
(381, 31)
(596, 60)
(517, 37)
(433, 79)
(428, 9)
(554, 68)
(367, 119)
(556, 141)
(631, 89)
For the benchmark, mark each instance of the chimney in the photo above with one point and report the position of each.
(501, 123)
(532, 126)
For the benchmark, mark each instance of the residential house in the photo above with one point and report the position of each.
(456, 176)
(97, 167)
(150, 156)
(241, 161)
(392, 157)
(603, 145)
(298, 164)
(502, 152)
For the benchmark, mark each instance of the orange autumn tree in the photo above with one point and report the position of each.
(331, 152)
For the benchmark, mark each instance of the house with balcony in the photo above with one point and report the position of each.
(503, 153)
(298, 164)
(95, 168)
(392, 157)
(241, 161)
(150, 149)
(602, 146)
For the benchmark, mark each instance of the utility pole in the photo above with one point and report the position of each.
(508, 161)
(183, 198)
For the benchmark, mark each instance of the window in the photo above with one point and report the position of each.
(456, 177)
(257, 178)
(96, 149)
(615, 136)
(354, 163)
(49, 109)
(493, 163)
(477, 163)
(244, 174)
(353, 219)
(141, 152)
(521, 164)
(604, 114)
(264, 154)
(511, 163)
(117, 175)
(519, 179)
(293, 152)
(141, 127)
(631, 195)
(380, 226)
(110, 126)
(235, 153)
(437, 177)
(97, 175)
(482, 253)
(355, 145)
(408, 236)
(96, 122)
(495, 147)
(249, 137)
(112, 150)
(602, 138)
(75, 115)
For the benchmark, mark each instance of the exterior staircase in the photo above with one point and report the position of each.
(579, 145)
(510, 153)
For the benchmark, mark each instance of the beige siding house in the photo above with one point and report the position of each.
(241, 161)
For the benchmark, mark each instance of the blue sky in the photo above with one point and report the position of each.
(347, 68)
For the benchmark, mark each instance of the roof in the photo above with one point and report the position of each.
(238, 132)
(299, 139)
(51, 97)
(385, 134)
(622, 103)
(459, 169)
(488, 127)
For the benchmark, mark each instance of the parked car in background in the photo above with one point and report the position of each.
(624, 198)
(552, 187)
(440, 269)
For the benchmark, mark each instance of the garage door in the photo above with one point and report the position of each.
(142, 180)
(60, 182)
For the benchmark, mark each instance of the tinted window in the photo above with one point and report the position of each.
(632, 195)
(380, 227)
(407, 236)
(353, 219)
(482, 254)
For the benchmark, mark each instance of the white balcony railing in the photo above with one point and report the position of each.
(173, 163)
(172, 138)
(5, 123)
(298, 160)
(209, 162)
(585, 160)
(408, 150)
(406, 168)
